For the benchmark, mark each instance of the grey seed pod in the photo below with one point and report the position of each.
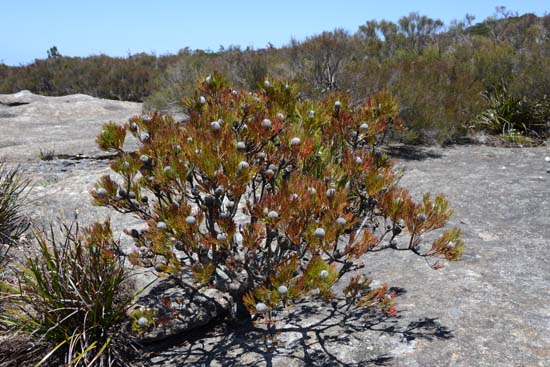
(261, 307)
(319, 233)
(341, 221)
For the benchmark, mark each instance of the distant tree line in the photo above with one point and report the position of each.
(441, 74)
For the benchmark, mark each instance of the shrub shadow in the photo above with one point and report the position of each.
(411, 152)
(311, 334)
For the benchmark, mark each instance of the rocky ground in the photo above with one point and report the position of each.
(489, 309)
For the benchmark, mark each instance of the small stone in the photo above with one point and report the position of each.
(167, 169)
(337, 104)
(221, 236)
(547, 159)
(273, 215)
(132, 195)
(145, 199)
(122, 193)
(319, 233)
(190, 220)
(311, 114)
(101, 192)
(234, 92)
(202, 100)
(262, 155)
(219, 190)
(341, 221)
(269, 173)
(267, 84)
(261, 307)
(280, 116)
(421, 218)
(312, 191)
(241, 145)
(162, 225)
(358, 160)
(295, 141)
(208, 79)
(266, 123)
(364, 126)
(144, 158)
(323, 274)
(283, 290)
(330, 193)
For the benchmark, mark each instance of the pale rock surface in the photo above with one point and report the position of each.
(489, 309)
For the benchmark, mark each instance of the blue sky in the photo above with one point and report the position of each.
(81, 27)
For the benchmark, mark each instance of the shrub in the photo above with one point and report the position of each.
(69, 300)
(13, 223)
(270, 197)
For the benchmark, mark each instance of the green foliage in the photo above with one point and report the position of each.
(512, 116)
(71, 297)
(262, 190)
(13, 223)
(112, 137)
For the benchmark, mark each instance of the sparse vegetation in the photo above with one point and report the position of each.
(46, 155)
(452, 65)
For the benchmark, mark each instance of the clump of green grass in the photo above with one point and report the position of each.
(513, 117)
(13, 223)
(70, 300)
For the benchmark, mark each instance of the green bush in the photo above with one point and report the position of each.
(69, 300)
